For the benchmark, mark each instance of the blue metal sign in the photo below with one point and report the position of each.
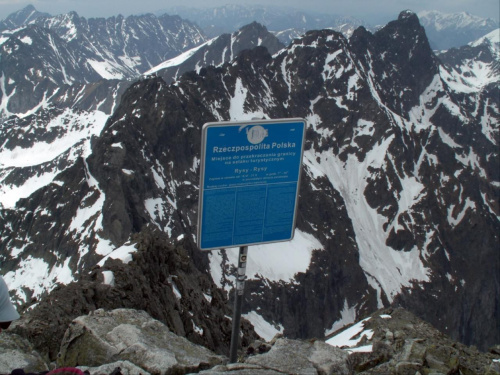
(250, 173)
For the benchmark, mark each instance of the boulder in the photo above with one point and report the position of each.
(17, 352)
(303, 357)
(290, 357)
(105, 337)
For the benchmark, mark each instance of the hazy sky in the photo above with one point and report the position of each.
(372, 11)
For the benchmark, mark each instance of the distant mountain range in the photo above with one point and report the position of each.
(444, 30)
(229, 18)
(399, 196)
(454, 30)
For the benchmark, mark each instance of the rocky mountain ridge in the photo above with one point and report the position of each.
(217, 51)
(400, 181)
(21, 17)
(128, 341)
(70, 61)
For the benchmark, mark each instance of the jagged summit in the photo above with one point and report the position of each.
(403, 45)
(405, 14)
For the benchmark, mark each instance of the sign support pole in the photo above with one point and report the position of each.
(238, 300)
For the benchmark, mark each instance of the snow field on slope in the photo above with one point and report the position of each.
(78, 128)
(347, 316)
(273, 262)
(34, 273)
(384, 266)
(74, 132)
(107, 69)
(180, 59)
(123, 253)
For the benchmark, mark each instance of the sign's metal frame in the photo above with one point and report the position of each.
(203, 162)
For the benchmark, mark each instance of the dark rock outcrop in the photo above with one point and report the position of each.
(161, 280)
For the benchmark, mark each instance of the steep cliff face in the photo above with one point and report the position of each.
(400, 182)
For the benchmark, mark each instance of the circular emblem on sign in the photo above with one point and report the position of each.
(256, 134)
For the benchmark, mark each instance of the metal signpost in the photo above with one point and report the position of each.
(249, 186)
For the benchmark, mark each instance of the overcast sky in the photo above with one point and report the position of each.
(372, 11)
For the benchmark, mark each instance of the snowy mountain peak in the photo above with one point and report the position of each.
(21, 17)
(229, 18)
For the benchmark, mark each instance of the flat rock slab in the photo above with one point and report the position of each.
(303, 357)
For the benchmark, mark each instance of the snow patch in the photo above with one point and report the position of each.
(178, 60)
(263, 328)
(176, 291)
(237, 105)
(33, 273)
(106, 69)
(123, 253)
(351, 336)
(275, 262)
(347, 316)
(109, 278)
(27, 40)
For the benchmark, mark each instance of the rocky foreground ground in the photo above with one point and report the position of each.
(391, 341)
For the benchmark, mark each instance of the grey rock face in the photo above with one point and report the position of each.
(130, 335)
(240, 369)
(17, 352)
(303, 357)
